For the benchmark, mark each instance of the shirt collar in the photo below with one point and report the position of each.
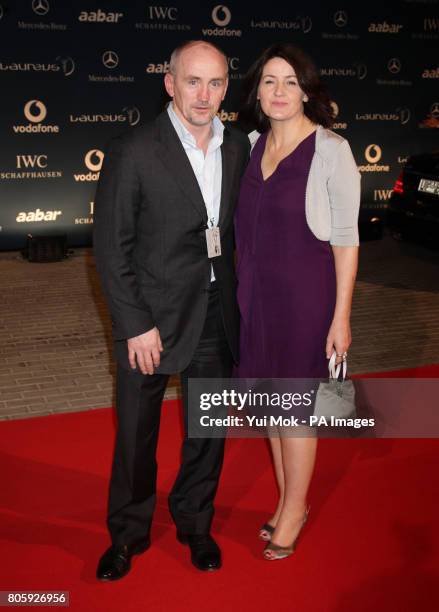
(187, 138)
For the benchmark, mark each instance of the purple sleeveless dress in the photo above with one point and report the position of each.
(286, 276)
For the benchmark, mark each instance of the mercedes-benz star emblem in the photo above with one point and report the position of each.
(340, 19)
(110, 59)
(40, 7)
(394, 65)
(434, 109)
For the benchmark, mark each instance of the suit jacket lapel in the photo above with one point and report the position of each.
(171, 152)
(228, 158)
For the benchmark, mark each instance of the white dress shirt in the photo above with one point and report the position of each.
(207, 168)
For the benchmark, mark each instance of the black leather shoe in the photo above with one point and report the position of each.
(115, 563)
(205, 552)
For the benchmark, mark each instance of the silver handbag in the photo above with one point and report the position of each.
(336, 398)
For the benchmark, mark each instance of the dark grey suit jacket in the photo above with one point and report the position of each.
(149, 240)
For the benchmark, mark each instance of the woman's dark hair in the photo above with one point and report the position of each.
(318, 108)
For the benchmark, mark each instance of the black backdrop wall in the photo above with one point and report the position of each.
(74, 74)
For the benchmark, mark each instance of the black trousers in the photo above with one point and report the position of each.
(132, 495)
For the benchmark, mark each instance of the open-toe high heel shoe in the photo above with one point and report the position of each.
(265, 532)
(273, 552)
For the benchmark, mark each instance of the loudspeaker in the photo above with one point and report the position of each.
(45, 249)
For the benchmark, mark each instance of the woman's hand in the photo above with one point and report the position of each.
(339, 338)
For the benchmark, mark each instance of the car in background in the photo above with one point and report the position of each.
(413, 211)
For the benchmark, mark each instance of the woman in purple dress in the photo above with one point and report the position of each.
(297, 245)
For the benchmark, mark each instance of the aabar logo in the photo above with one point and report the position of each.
(35, 112)
(38, 216)
(93, 160)
(99, 16)
(373, 153)
(432, 73)
(385, 28)
(221, 15)
(158, 68)
(225, 116)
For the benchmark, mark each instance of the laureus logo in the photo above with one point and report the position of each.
(133, 115)
(35, 112)
(221, 15)
(67, 65)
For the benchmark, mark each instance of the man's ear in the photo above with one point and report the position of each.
(169, 84)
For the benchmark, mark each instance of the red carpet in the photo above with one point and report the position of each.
(371, 542)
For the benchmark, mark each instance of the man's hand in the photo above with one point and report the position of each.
(145, 349)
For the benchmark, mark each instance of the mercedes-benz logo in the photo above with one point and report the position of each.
(306, 24)
(373, 153)
(95, 164)
(340, 19)
(394, 65)
(40, 7)
(225, 17)
(67, 65)
(33, 117)
(110, 59)
(133, 114)
(434, 110)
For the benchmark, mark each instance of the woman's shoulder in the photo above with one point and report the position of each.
(253, 137)
(327, 141)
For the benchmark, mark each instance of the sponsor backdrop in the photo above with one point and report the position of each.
(74, 74)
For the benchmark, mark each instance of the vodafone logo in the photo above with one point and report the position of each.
(93, 160)
(221, 15)
(373, 153)
(35, 111)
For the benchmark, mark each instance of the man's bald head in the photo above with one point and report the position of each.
(189, 46)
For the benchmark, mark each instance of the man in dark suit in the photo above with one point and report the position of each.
(164, 250)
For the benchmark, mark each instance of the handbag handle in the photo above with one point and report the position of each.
(334, 370)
